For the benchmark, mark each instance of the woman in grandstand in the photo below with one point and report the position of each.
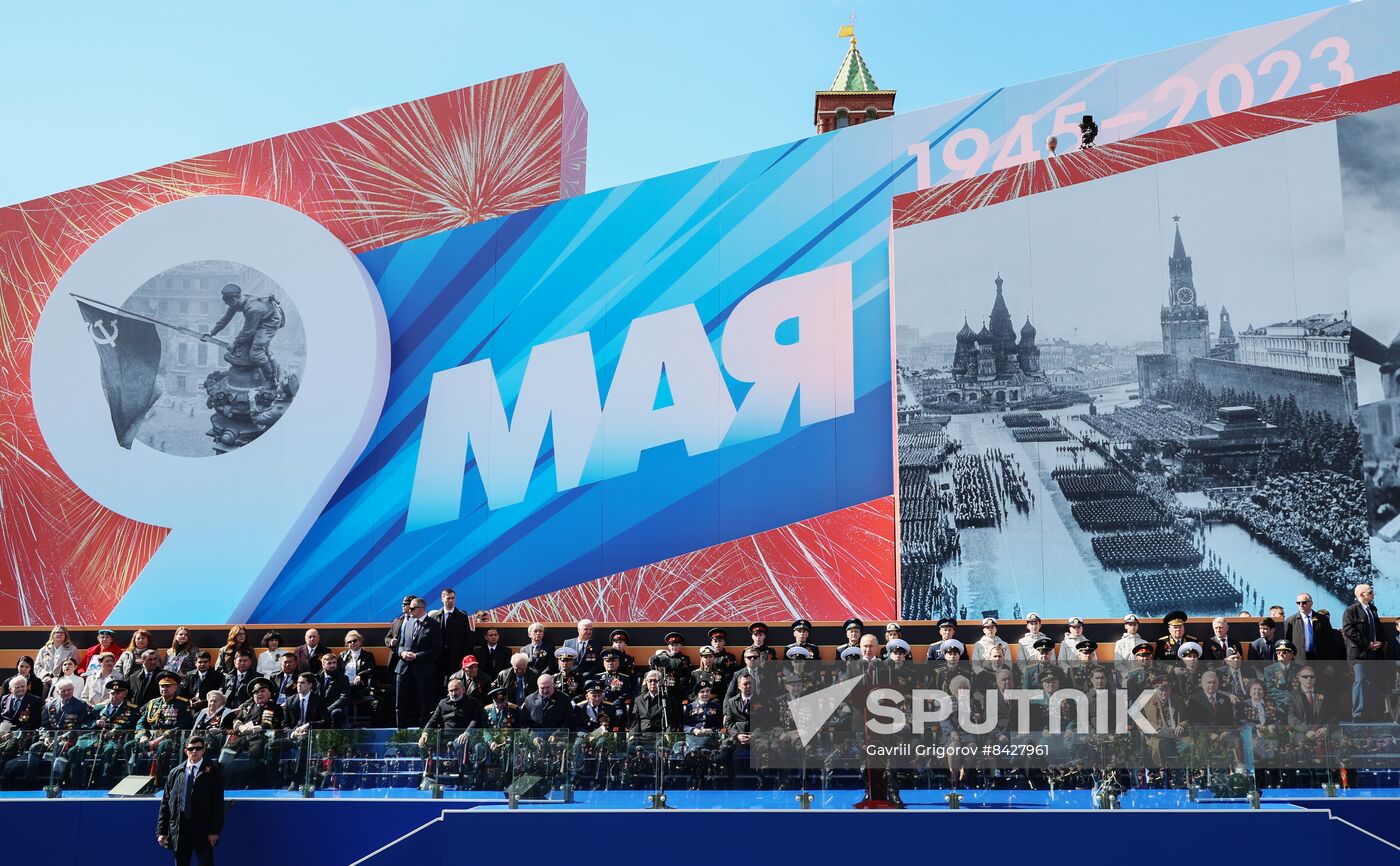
(237, 640)
(130, 660)
(48, 662)
(1067, 654)
(67, 673)
(270, 662)
(100, 672)
(180, 657)
(25, 668)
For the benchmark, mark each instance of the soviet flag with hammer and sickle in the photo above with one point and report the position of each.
(129, 352)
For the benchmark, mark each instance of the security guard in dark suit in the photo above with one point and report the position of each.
(801, 636)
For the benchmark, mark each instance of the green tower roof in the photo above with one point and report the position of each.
(854, 75)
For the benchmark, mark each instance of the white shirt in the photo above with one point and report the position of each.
(270, 661)
(351, 663)
(95, 689)
(984, 645)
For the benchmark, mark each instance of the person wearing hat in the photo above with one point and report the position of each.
(1123, 647)
(1280, 677)
(619, 641)
(758, 638)
(1085, 662)
(1048, 683)
(675, 667)
(708, 674)
(1164, 711)
(724, 659)
(257, 719)
(892, 632)
(801, 637)
(952, 664)
(852, 627)
(1036, 660)
(988, 640)
(112, 720)
(470, 677)
(1188, 671)
(492, 753)
(1066, 653)
(702, 718)
(618, 687)
(568, 680)
(1139, 677)
(897, 654)
(588, 662)
(106, 643)
(1170, 643)
(160, 718)
(500, 714)
(947, 629)
(595, 713)
(1026, 642)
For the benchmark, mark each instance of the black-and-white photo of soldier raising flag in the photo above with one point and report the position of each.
(129, 351)
(172, 383)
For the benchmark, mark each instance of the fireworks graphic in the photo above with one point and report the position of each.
(402, 172)
(828, 567)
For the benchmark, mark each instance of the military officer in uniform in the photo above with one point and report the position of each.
(64, 716)
(853, 629)
(620, 640)
(1168, 644)
(599, 721)
(675, 667)
(160, 720)
(618, 687)
(724, 659)
(1084, 665)
(1139, 678)
(595, 713)
(801, 637)
(947, 629)
(952, 666)
(262, 319)
(257, 724)
(569, 680)
(1042, 658)
(709, 673)
(494, 754)
(758, 639)
(113, 721)
(703, 722)
(1279, 677)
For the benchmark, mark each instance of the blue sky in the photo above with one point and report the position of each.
(97, 90)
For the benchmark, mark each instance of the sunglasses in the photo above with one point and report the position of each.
(194, 748)
(352, 640)
(1306, 677)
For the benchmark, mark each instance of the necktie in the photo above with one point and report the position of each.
(1307, 634)
(1371, 618)
(189, 786)
(304, 699)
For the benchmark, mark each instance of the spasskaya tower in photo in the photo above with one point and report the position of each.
(853, 96)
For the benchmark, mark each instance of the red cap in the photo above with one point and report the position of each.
(467, 661)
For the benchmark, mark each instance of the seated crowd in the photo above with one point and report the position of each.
(119, 709)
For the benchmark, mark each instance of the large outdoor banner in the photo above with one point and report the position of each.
(673, 400)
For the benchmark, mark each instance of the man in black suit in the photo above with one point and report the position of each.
(1210, 707)
(1218, 644)
(457, 628)
(198, 682)
(493, 655)
(192, 808)
(415, 674)
(391, 635)
(518, 680)
(1307, 708)
(589, 659)
(309, 653)
(454, 716)
(334, 690)
(305, 709)
(548, 708)
(1262, 647)
(1308, 631)
(236, 683)
(144, 686)
(540, 654)
(21, 708)
(1361, 629)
